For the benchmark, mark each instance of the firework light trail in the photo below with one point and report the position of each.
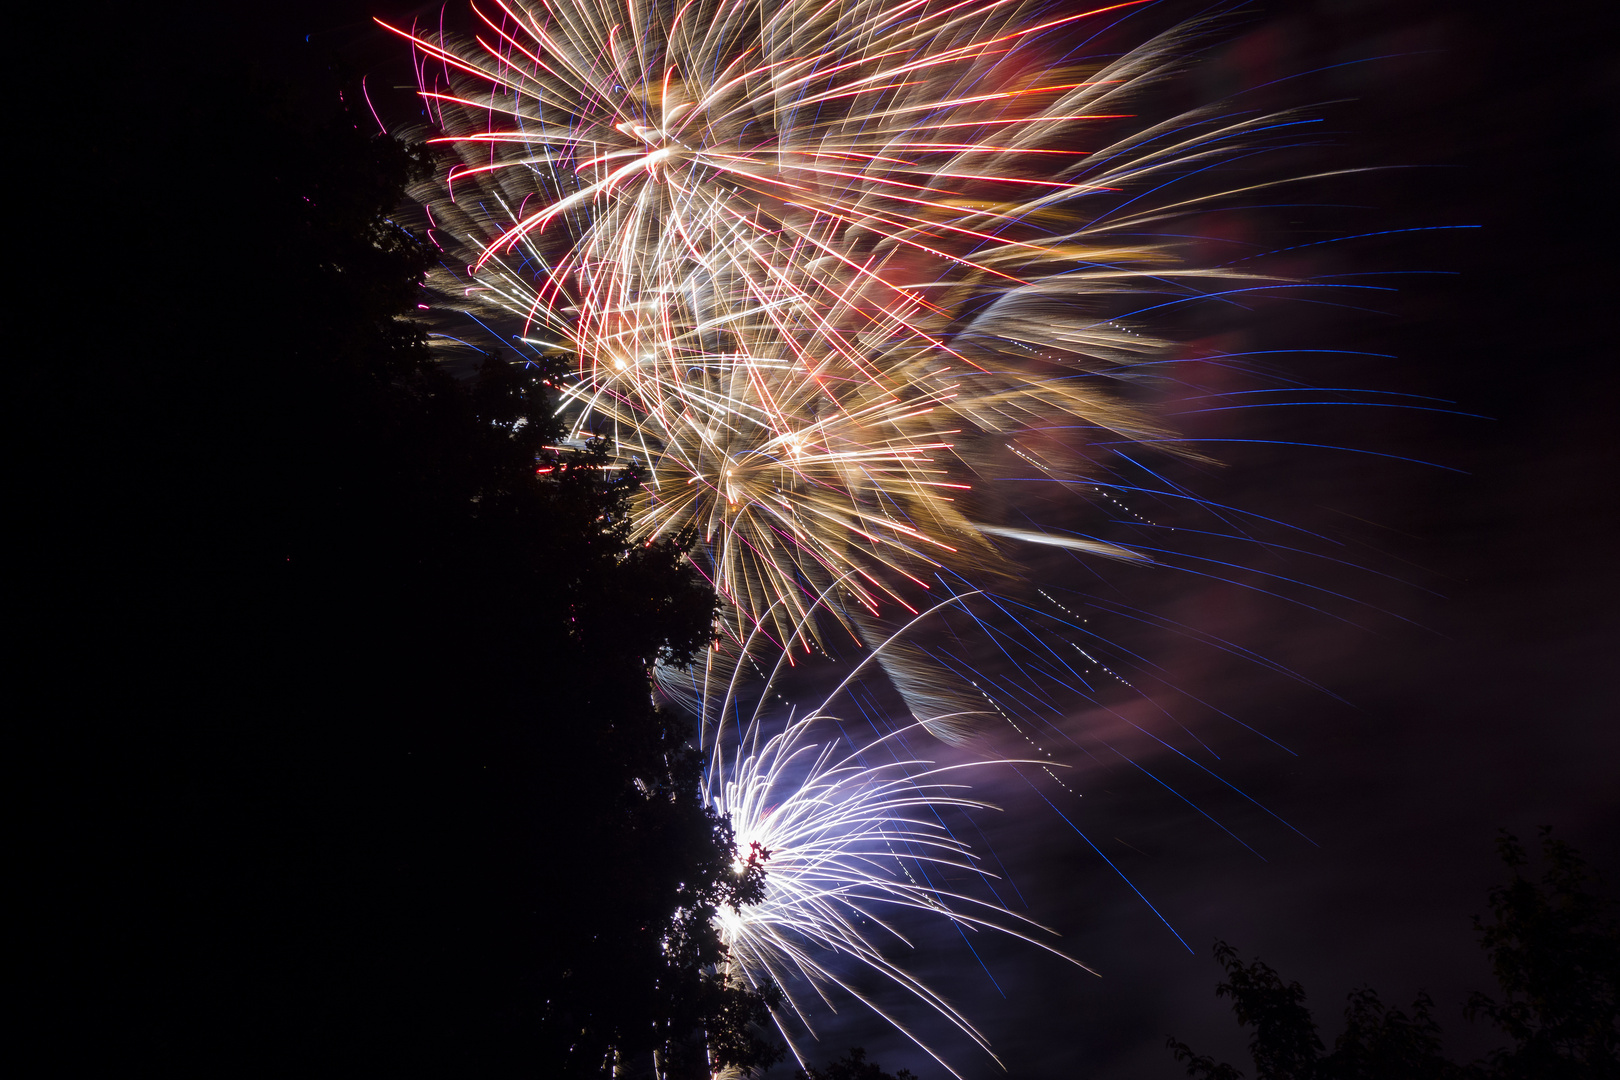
(844, 844)
(848, 839)
(829, 272)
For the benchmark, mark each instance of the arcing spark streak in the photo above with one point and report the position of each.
(830, 269)
(846, 844)
(823, 266)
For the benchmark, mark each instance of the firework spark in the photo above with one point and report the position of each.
(828, 271)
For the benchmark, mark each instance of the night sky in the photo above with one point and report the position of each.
(1481, 695)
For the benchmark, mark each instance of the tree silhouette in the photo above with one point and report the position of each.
(383, 788)
(1555, 951)
(854, 1066)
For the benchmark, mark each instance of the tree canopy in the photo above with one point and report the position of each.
(384, 786)
(854, 1066)
(1555, 950)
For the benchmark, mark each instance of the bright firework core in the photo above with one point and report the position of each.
(846, 846)
(802, 252)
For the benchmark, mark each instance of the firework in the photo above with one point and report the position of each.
(828, 270)
(843, 843)
(847, 839)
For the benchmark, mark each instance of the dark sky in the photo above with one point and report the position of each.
(1488, 702)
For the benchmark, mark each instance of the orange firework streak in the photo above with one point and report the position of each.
(814, 261)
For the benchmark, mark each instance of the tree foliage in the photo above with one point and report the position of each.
(854, 1066)
(390, 792)
(1377, 1041)
(1555, 951)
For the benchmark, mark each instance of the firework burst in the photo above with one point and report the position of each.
(845, 844)
(848, 839)
(828, 272)
(827, 269)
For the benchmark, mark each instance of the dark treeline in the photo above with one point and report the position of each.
(1554, 947)
(360, 769)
